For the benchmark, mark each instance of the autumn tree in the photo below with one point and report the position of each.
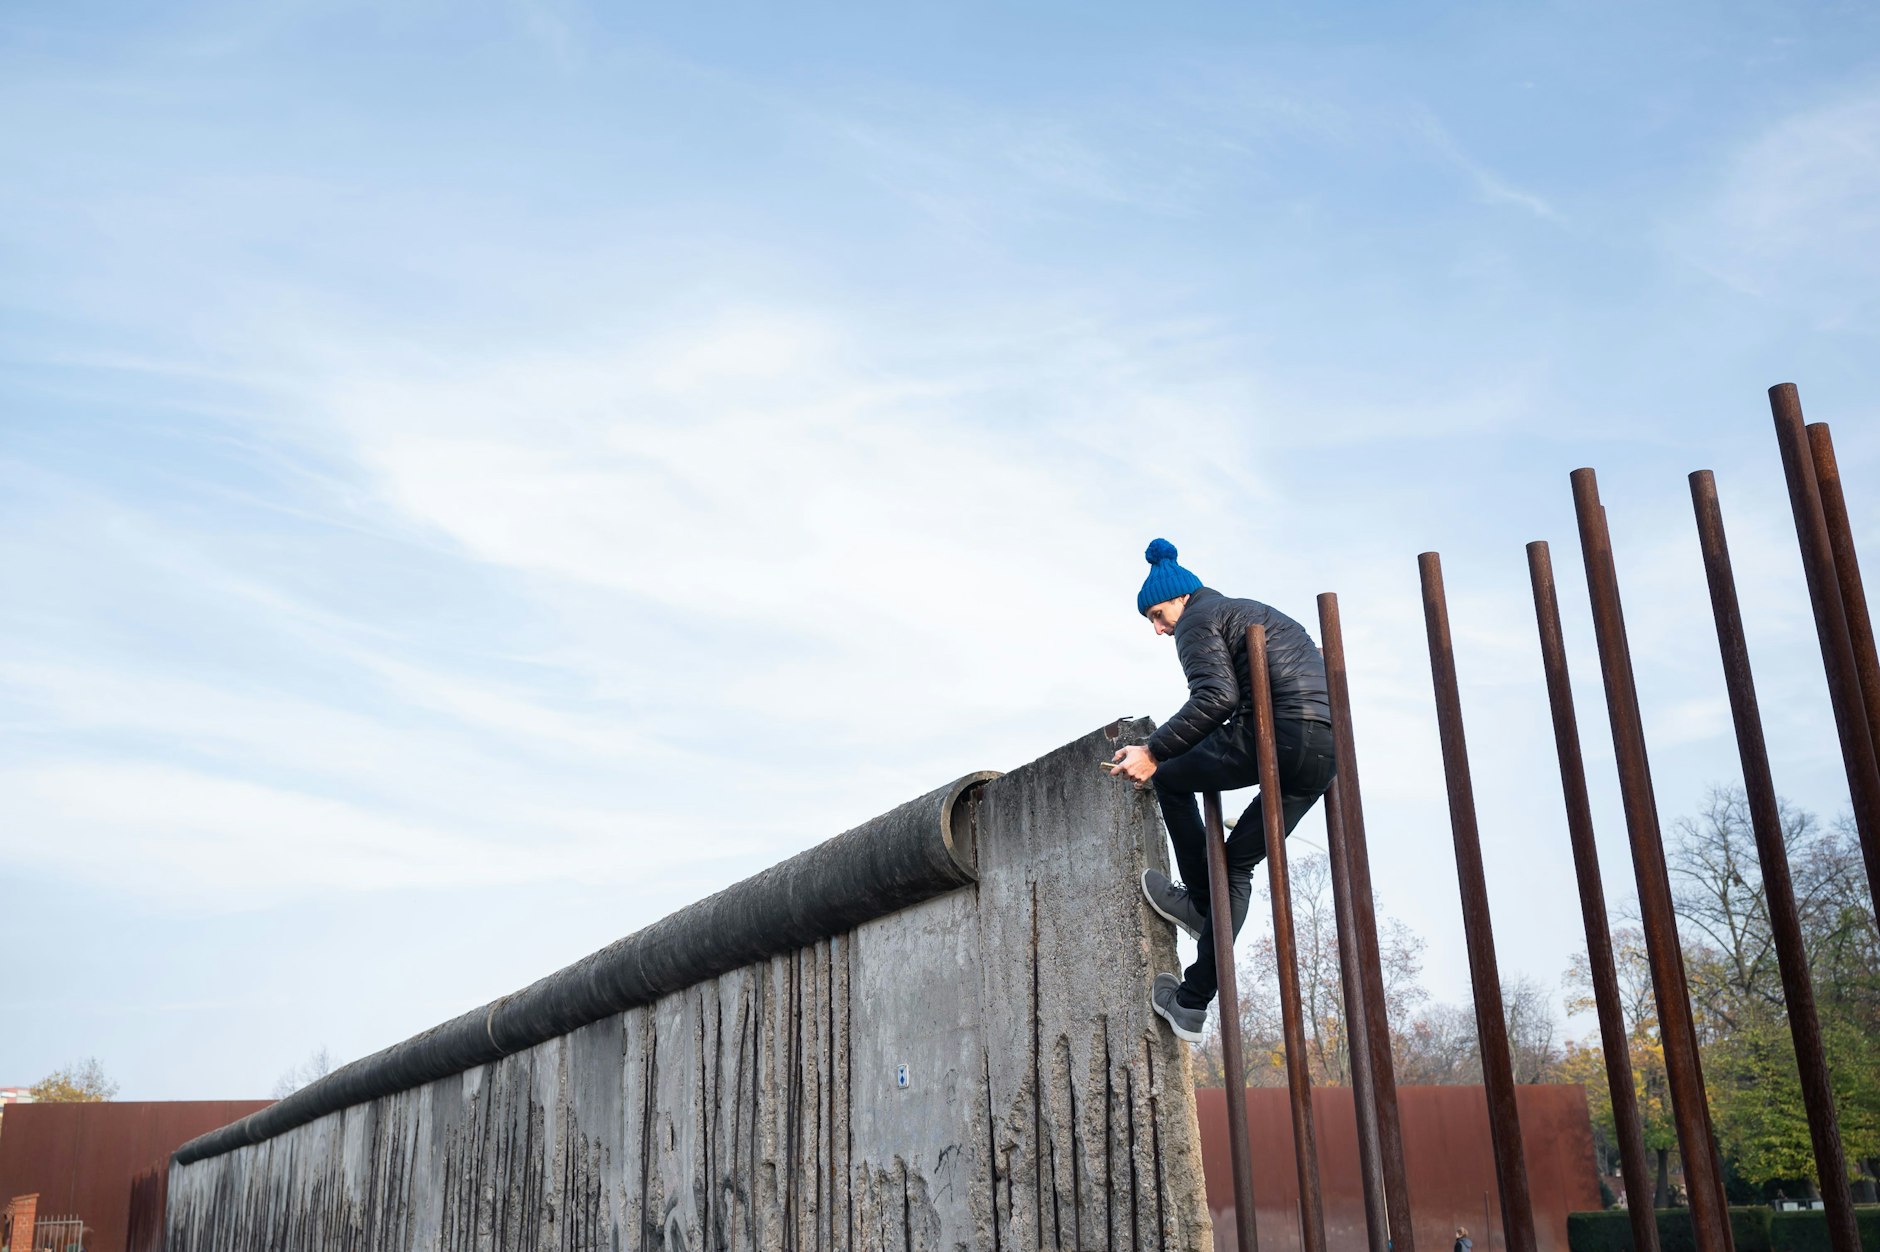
(1844, 955)
(1723, 913)
(82, 1083)
(1756, 1094)
(1585, 1063)
(1737, 991)
(1737, 996)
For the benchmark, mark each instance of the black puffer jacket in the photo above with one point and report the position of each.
(1211, 640)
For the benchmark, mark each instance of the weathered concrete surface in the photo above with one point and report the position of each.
(1045, 1105)
(905, 856)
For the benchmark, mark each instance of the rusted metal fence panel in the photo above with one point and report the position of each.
(82, 1158)
(1451, 1162)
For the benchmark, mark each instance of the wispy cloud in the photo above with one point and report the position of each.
(744, 530)
(509, 449)
(977, 168)
(1490, 186)
(1794, 216)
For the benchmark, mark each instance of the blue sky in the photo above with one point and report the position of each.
(476, 477)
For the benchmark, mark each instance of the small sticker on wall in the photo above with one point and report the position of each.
(900, 1077)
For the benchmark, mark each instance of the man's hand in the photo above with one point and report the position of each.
(1133, 763)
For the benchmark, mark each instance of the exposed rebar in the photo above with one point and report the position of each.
(1285, 949)
(1357, 1039)
(1759, 788)
(1355, 863)
(1491, 1023)
(1710, 1219)
(1227, 1009)
(1840, 608)
(1614, 1041)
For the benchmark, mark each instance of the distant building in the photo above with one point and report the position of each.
(13, 1095)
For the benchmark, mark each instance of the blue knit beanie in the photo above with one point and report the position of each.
(1166, 580)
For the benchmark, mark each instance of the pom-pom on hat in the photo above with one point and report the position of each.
(1166, 579)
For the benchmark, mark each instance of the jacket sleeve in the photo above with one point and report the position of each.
(1213, 691)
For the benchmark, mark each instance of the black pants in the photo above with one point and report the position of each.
(1222, 762)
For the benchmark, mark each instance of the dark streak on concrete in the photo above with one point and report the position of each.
(1155, 1147)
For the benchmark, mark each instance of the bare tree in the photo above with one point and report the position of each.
(1722, 908)
(1439, 1047)
(1838, 916)
(84, 1082)
(1430, 1043)
(1638, 1005)
(1533, 1031)
(319, 1064)
(1321, 989)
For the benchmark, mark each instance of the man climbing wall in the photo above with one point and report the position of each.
(1208, 745)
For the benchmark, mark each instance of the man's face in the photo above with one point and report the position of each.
(1163, 616)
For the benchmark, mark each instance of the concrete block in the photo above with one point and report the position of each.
(976, 1069)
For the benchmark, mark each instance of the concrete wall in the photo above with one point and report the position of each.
(1044, 1105)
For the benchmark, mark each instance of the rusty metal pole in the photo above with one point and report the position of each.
(1779, 891)
(1847, 645)
(1285, 950)
(1612, 1033)
(1227, 1006)
(1357, 1041)
(1354, 861)
(1831, 627)
(1697, 1144)
(1847, 573)
(1491, 1022)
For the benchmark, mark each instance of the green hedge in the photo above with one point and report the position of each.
(1607, 1231)
(1749, 1229)
(1611, 1231)
(1755, 1228)
(1807, 1230)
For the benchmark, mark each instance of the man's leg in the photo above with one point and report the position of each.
(1188, 836)
(1305, 756)
(1306, 765)
(1210, 765)
(1218, 763)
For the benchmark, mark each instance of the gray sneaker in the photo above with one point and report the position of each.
(1185, 1022)
(1172, 901)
